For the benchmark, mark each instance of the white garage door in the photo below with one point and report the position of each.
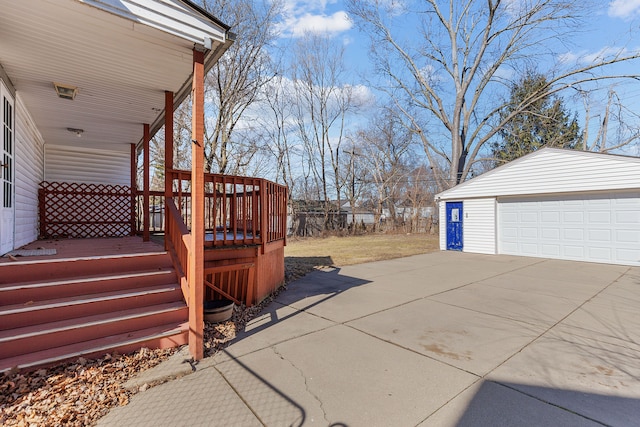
(595, 228)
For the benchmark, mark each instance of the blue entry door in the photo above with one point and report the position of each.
(454, 226)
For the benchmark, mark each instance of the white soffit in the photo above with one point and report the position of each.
(167, 15)
(121, 65)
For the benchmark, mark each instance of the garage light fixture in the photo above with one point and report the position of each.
(65, 91)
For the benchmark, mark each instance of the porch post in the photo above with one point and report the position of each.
(168, 153)
(134, 188)
(196, 251)
(145, 202)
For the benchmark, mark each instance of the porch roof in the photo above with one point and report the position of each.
(122, 55)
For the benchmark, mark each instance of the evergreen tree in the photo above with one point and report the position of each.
(545, 123)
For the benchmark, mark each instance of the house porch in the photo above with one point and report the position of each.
(75, 119)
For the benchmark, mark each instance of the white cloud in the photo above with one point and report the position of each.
(313, 16)
(363, 96)
(331, 24)
(515, 8)
(625, 9)
(585, 57)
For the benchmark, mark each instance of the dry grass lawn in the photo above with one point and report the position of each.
(304, 255)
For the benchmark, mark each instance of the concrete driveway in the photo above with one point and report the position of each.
(441, 339)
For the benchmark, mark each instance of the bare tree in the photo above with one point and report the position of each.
(235, 82)
(615, 115)
(386, 147)
(323, 101)
(356, 176)
(181, 144)
(278, 122)
(419, 193)
(447, 77)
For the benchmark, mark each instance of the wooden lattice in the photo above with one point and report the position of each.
(85, 210)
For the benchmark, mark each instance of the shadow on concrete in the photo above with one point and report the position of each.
(318, 287)
(513, 404)
(268, 403)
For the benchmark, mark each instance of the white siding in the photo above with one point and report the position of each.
(553, 171)
(88, 165)
(442, 226)
(29, 173)
(479, 226)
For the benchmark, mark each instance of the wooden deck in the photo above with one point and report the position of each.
(80, 248)
(238, 253)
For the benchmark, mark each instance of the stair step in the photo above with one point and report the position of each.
(29, 271)
(163, 336)
(21, 293)
(34, 338)
(20, 315)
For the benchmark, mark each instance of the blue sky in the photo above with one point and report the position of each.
(609, 25)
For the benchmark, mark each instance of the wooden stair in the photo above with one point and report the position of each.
(52, 311)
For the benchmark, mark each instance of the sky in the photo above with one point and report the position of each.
(611, 25)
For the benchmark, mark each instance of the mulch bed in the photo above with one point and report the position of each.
(80, 392)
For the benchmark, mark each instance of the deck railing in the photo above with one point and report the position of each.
(238, 210)
(178, 243)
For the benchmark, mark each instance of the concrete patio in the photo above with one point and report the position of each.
(441, 339)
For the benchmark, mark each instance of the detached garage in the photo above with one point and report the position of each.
(553, 203)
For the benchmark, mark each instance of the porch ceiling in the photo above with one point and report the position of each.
(121, 67)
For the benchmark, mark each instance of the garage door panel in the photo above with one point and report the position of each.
(551, 251)
(628, 217)
(573, 252)
(550, 203)
(510, 233)
(550, 217)
(600, 217)
(599, 236)
(600, 254)
(510, 248)
(598, 228)
(627, 256)
(601, 203)
(627, 202)
(510, 217)
(574, 234)
(573, 217)
(529, 249)
(549, 234)
(626, 236)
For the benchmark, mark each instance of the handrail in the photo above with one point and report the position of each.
(238, 210)
(178, 239)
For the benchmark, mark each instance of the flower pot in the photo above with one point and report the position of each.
(219, 310)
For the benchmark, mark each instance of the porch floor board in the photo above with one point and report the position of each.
(76, 248)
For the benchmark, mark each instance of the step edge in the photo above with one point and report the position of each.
(88, 258)
(95, 298)
(96, 278)
(104, 348)
(91, 323)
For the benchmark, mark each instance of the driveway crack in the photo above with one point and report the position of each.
(306, 382)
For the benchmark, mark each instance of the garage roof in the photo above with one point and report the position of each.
(122, 55)
(551, 171)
